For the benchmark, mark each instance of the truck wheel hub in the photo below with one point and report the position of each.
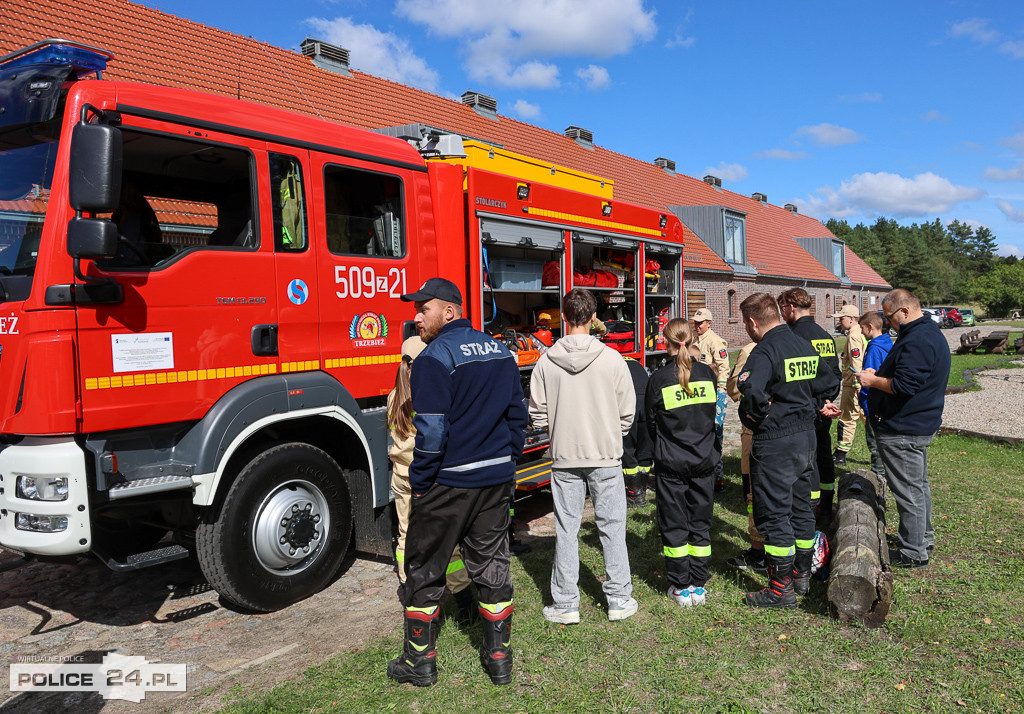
(290, 526)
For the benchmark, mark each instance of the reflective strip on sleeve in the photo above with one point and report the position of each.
(479, 464)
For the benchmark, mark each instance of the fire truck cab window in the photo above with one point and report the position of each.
(289, 203)
(179, 196)
(363, 213)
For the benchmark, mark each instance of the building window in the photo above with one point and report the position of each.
(735, 250)
(839, 259)
(732, 304)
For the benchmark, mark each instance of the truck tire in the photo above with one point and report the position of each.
(282, 531)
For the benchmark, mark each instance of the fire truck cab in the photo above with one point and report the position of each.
(201, 315)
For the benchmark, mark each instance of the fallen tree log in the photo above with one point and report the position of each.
(860, 581)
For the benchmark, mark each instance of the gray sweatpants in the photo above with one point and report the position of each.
(608, 493)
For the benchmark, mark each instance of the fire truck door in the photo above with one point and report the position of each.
(361, 234)
(196, 281)
(298, 340)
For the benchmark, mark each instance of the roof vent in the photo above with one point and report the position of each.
(713, 181)
(583, 137)
(327, 56)
(790, 207)
(760, 197)
(668, 164)
(481, 103)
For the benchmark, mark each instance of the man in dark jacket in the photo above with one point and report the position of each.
(784, 387)
(470, 419)
(905, 401)
(637, 449)
(795, 305)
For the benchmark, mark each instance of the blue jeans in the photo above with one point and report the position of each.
(905, 457)
(569, 494)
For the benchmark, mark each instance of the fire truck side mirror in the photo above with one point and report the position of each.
(92, 238)
(95, 170)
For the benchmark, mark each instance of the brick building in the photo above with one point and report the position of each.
(735, 244)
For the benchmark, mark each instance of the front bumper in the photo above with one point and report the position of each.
(45, 456)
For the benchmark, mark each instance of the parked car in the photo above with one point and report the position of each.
(935, 316)
(950, 316)
(968, 315)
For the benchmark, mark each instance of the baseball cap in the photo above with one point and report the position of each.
(436, 288)
(847, 311)
(702, 315)
(412, 347)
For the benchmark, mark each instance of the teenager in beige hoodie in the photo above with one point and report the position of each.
(582, 393)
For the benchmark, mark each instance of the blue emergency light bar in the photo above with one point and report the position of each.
(83, 59)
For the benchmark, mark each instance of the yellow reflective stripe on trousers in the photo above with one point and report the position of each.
(455, 566)
(700, 551)
(400, 556)
(805, 544)
(680, 552)
(828, 486)
(630, 472)
(750, 508)
(424, 610)
(815, 494)
(779, 552)
(495, 608)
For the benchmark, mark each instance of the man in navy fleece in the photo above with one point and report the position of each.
(470, 419)
(905, 401)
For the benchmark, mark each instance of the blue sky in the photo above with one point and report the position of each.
(909, 110)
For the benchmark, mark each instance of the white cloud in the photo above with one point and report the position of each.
(997, 174)
(727, 172)
(890, 195)
(1010, 211)
(381, 54)
(525, 110)
(681, 40)
(968, 222)
(1013, 48)
(781, 154)
(594, 76)
(933, 115)
(862, 98)
(503, 41)
(829, 135)
(977, 29)
(1007, 249)
(1015, 142)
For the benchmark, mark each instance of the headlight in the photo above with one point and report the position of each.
(40, 524)
(43, 488)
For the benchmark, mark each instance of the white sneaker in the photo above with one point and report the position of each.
(697, 595)
(562, 615)
(683, 598)
(621, 609)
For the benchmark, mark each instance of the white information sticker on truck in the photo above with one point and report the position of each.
(142, 351)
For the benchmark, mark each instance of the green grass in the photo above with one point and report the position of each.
(953, 640)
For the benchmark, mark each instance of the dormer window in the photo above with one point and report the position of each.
(839, 259)
(735, 239)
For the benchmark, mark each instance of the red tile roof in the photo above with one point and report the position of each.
(154, 47)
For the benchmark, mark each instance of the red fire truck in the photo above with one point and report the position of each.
(201, 316)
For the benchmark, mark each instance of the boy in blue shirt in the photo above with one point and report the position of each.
(879, 344)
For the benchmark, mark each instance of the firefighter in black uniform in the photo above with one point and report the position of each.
(680, 417)
(637, 451)
(784, 386)
(795, 306)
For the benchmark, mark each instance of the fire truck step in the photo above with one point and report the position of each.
(533, 476)
(144, 560)
(143, 486)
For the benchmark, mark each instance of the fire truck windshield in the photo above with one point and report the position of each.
(27, 157)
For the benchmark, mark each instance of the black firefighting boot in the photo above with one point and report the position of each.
(823, 513)
(839, 457)
(467, 606)
(636, 488)
(779, 592)
(497, 646)
(802, 570)
(418, 662)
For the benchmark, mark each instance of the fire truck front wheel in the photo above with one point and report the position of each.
(282, 530)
